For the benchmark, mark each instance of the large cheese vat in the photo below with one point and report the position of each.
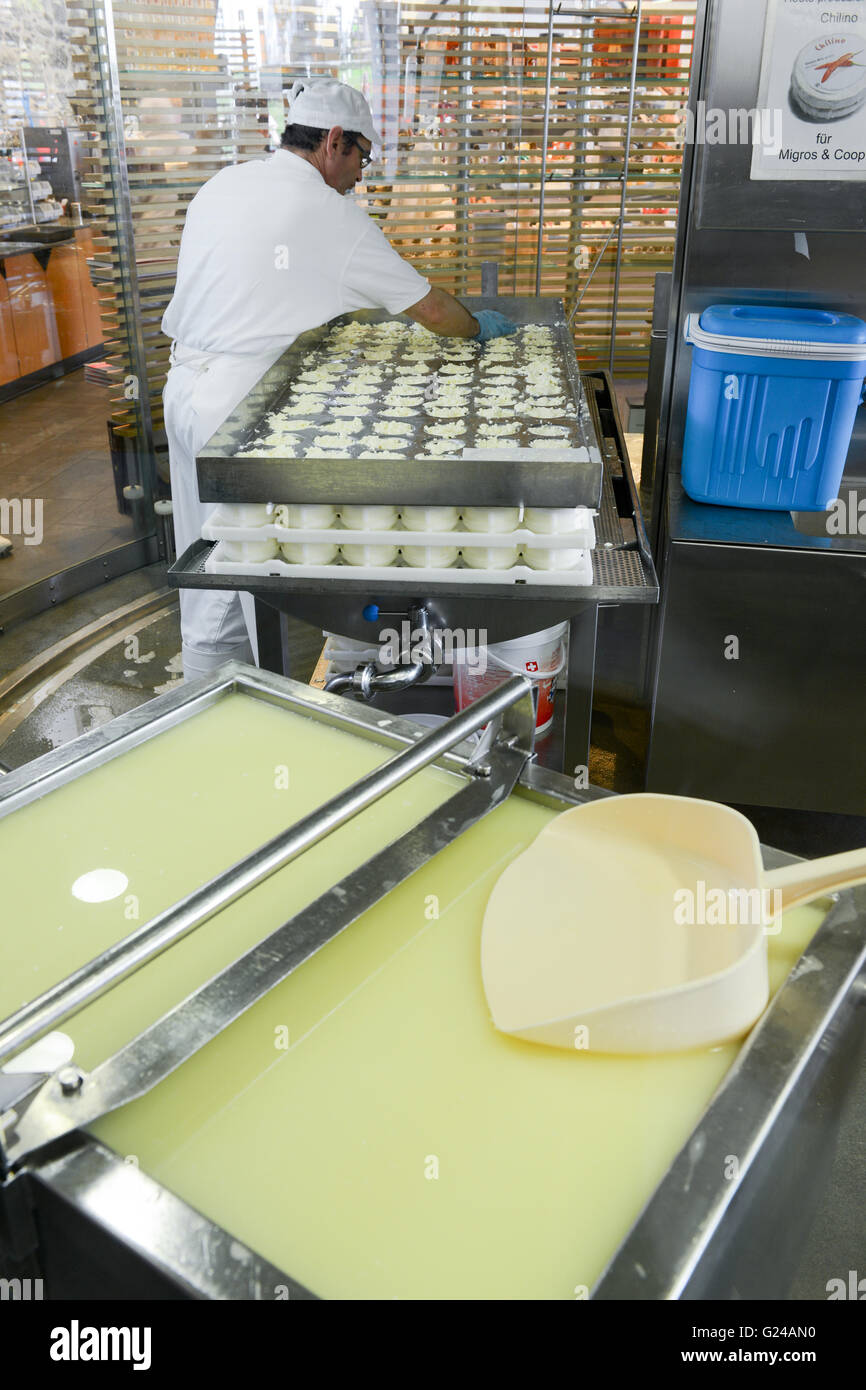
(361, 1131)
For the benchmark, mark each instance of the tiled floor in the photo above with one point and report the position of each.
(54, 446)
(116, 681)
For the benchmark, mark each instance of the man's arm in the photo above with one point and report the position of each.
(441, 313)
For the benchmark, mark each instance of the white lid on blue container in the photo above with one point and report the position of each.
(762, 330)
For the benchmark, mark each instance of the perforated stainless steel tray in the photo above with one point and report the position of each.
(557, 476)
(623, 570)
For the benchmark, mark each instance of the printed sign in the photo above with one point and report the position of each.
(813, 81)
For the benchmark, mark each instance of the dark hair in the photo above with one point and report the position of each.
(309, 138)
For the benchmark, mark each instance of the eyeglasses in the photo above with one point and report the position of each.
(366, 155)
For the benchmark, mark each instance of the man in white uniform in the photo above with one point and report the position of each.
(269, 250)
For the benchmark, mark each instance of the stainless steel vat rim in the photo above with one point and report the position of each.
(201, 1258)
(128, 731)
(508, 707)
(694, 1196)
(687, 1205)
(49, 1114)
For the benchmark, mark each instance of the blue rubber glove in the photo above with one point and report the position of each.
(493, 325)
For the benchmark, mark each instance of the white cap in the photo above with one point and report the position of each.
(322, 103)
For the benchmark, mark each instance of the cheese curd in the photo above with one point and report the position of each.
(437, 448)
(541, 388)
(357, 388)
(382, 445)
(403, 388)
(383, 379)
(283, 427)
(332, 441)
(348, 426)
(386, 427)
(446, 431)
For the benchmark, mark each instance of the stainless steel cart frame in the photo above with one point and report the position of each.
(623, 572)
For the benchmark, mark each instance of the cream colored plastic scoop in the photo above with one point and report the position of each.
(639, 923)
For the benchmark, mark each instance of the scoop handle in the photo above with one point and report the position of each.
(800, 883)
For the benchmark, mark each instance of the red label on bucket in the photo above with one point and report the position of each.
(470, 684)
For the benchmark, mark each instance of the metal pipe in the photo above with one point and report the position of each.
(590, 276)
(335, 685)
(395, 681)
(548, 75)
(115, 136)
(622, 204)
(27, 180)
(102, 974)
(606, 15)
(585, 178)
(369, 680)
(490, 277)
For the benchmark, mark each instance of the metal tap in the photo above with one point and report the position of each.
(371, 679)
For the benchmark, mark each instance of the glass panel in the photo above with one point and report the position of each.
(170, 96)
(59, 507)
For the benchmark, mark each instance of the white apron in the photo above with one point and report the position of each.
(201, 391)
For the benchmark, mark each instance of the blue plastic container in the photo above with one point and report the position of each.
(772, 401)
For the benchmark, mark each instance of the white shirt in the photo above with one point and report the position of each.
(269, 251)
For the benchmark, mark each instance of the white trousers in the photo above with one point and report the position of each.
(201, 391)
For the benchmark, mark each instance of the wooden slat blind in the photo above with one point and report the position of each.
(459, 93)
(466, 181)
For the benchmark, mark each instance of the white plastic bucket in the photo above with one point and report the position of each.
(538, 655)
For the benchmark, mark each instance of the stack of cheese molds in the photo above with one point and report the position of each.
(385, 391)
(527, 545)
